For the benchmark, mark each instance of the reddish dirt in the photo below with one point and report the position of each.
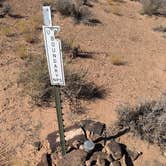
(123, 32)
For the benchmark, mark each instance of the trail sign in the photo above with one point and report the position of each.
(55, 66)
(54, 55)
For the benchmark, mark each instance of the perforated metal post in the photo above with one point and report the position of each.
(60, 118)
(48, 22)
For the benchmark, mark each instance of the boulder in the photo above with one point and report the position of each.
(113, 148)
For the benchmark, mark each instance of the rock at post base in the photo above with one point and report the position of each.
(74, 158)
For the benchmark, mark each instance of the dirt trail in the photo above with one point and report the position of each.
(123, 32)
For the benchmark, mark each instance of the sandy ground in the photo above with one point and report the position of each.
(123, 32)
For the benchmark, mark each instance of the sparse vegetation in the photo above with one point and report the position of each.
(49, 2)
(147, 121)
(31, 37)
(117, 60)
(154, 7)
(35, 81)
(73, 50)
(31, 25)
(7, 31)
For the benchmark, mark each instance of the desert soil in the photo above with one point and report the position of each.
(124, 32)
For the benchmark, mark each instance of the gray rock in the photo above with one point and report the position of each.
(115, 163)
(115, 149)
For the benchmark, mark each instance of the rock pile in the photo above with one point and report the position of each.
(106, 151)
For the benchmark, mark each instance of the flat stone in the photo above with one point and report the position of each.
(96, 155)
(133, 154)
(92, 129)
(93, 126)
(115, 149)
(72, 134)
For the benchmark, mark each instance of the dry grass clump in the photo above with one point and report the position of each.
(31, 37)
(36, 83)
(111, 2)
(147, 121)
(21, 51)
(154, 7)
(7, 31)
(117, 60)
(29, 29)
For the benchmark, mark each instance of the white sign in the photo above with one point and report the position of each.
(54, 55)
(47, 15)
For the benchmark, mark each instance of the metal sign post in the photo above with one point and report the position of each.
(55, 67)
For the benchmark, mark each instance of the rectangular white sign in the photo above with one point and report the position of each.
(54, 55)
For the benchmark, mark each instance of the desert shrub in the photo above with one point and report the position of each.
(78, 10)
(147, 121)
(154, 7)
(4, 9)
(160, 29)
(36, 83)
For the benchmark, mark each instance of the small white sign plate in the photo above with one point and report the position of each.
(54, 55)
(47, 15)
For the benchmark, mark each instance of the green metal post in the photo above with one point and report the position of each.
(60, 119)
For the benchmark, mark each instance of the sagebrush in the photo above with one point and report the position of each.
(147, 121)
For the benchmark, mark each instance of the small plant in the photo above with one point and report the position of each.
(7, 31)
(117, 60)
